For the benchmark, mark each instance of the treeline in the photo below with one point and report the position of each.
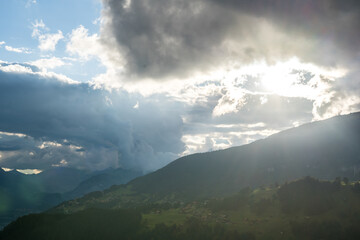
(240, 201)
(327, 229)
(97, 224)
(309, 196)
(194, 229)
(87, 224)
(322, 209)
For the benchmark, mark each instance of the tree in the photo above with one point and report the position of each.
(337, 181)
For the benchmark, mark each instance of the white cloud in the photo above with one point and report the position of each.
(263, 99)
(17, 50)
(12, 134)
(84, 45)
(32, 70)
(2, 43)
(335, 103)
(15, 68)
(87, 47)
(29, 3)
(216, 140)
(29, 171)
(96, 21)
(48, 63)
(38, 26)
(7, 169)
(229, 103)
(47, 144)
(47, 41)
(62, 163)
(136, 106)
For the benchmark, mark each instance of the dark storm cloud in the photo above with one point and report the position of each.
(329, 21)
(106, 126)
(163, 38)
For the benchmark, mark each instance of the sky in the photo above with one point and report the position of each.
(93, 84)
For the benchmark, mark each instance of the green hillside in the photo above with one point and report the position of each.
(303, 209)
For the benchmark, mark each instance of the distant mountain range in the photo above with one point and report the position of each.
(324, 149)
(21, 194)
(101, 181)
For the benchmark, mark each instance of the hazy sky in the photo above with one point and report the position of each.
(94, 84)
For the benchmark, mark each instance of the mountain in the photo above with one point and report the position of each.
(324, 149)
(21, 191)
(102, 180)
(21, 194)
(61, 179)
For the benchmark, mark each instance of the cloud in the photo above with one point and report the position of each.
(321, 20)
(166, 38)
(181, 77)
(48, 63)
(29, 3)
(82, 44)
(23, 151)
(175, 38)
(86, 47)
(37, 26)
(294, 49)
(17, 50)
(19, 68)
(47, 41)
(87, 127)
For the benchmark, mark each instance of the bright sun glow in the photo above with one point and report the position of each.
(295, 79)
(278, 78)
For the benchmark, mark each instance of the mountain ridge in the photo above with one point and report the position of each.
(325, 149)
(263, 153)
(21, 194)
